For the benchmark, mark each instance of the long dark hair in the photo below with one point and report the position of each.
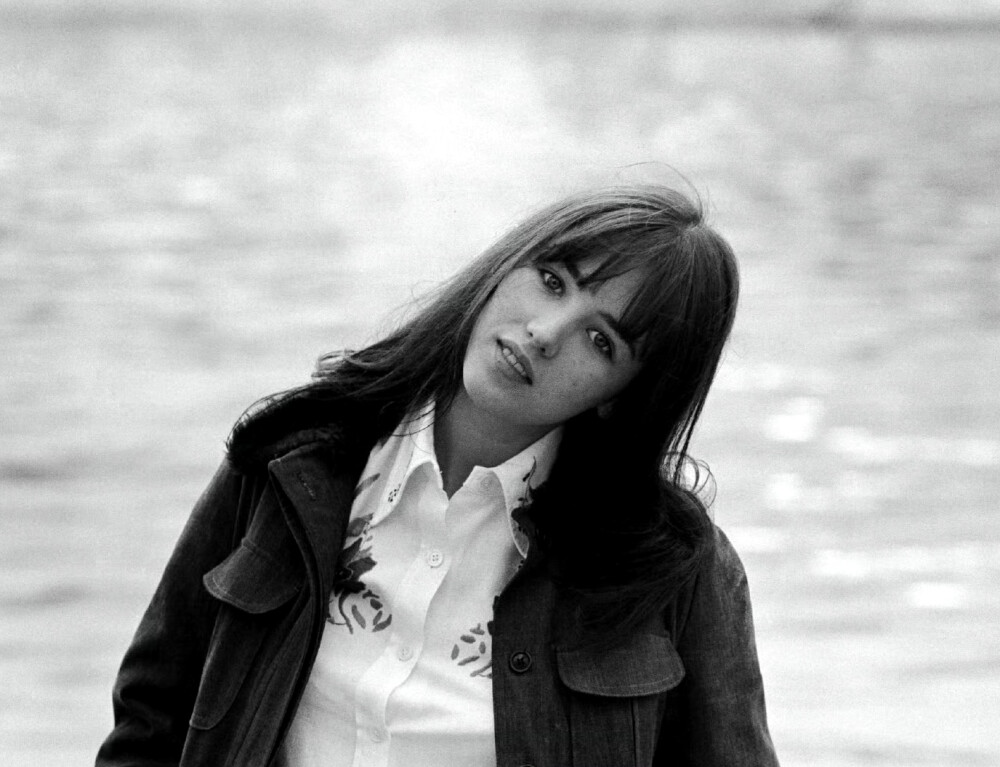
(624, 467)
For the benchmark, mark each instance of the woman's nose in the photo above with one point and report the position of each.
(546, 332)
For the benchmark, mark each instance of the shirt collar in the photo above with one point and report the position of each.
(411, 446)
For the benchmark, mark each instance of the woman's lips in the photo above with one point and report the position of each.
(514, 357)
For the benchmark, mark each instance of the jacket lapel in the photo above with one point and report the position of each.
(315, 492)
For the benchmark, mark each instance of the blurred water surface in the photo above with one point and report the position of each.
(192, 209)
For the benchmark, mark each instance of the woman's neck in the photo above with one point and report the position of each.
(465, 437)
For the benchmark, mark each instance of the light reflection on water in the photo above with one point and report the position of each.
(190, 215)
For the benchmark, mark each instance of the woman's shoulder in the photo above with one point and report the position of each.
(724, 557)
(687, 515)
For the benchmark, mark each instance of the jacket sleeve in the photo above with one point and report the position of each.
(158, 680)
(720, 717)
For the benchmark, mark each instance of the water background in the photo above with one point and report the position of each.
(195, 204)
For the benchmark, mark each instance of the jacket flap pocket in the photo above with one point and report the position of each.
(252, 580)
(646, 665)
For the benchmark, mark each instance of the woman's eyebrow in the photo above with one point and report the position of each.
(573, 271)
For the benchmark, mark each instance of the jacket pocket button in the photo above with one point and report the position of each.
(520, 662)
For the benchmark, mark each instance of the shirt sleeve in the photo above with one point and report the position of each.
(158, 679)
(721, 718)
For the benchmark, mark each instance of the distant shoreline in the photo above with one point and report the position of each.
(451, 18)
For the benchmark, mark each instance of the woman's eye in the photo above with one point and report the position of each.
(602, 342)
(551, 281)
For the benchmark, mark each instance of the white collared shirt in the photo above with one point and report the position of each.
(402, 678)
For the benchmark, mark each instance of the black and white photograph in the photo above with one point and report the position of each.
(524, 383)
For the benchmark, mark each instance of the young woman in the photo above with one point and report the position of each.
(472, 542)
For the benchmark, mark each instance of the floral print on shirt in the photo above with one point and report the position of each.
(474, 646)
(352, 603)
(527, 491)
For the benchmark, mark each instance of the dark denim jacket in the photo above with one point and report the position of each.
(218, 663)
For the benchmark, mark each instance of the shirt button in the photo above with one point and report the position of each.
(520, 662)
(404, 653)
(378, 735)
(435, 558)
(487, 482)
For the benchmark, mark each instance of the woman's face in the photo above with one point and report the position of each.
(545, 349)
